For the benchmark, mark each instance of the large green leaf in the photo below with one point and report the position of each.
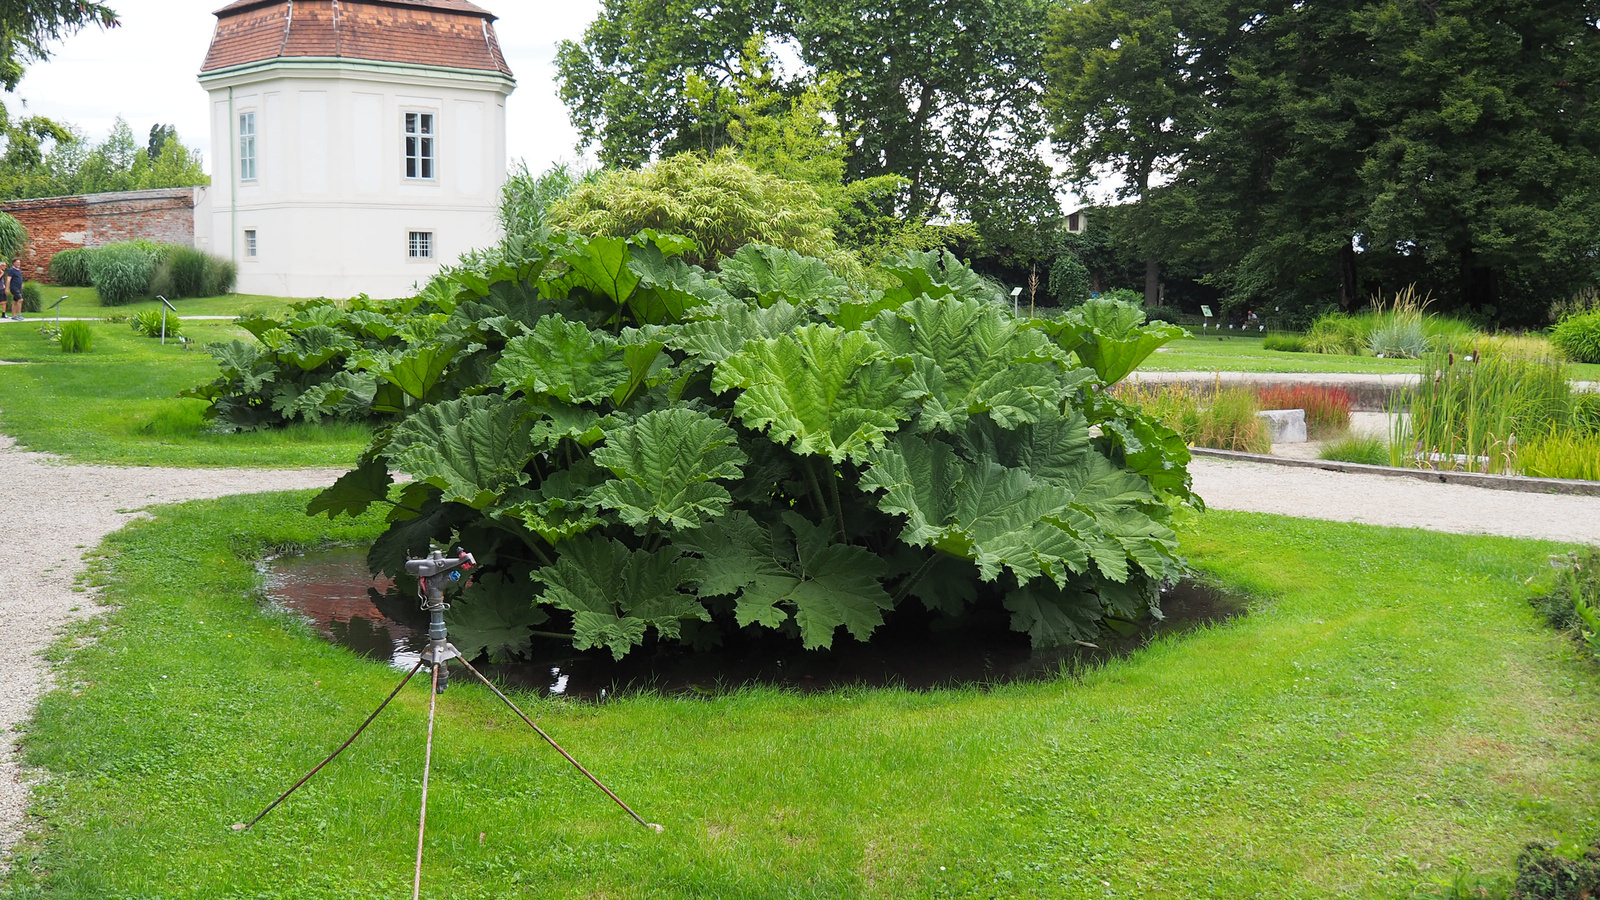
(1054, 616)
(615, 594)
(559, 508)
(473, 449)
(493, 616)
(723, 330)
(828, 392)
(668, 287)
(666, 463)
(1117, 342)
(243, 362)
(563, 360)
(416, 370)
(771, 275)
(937, 273)
(800, 571)
(1054, 523)
(973, 358)
(354, 491)
(600, 266)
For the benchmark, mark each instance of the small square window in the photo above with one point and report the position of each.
(250, 243)
(421, 245)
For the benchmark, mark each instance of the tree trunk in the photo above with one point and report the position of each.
(1152, 282)
(1348, 286)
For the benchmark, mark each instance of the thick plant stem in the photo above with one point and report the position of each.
(838, 507)
(816, 489)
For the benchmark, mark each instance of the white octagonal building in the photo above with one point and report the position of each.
(358, 144)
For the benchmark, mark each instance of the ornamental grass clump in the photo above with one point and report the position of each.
(1219, 418)
(121, 273)
(1369, 451)
(1327, 409)
(641, 456)
(1577, 336)
(70, 268)
(75, 337)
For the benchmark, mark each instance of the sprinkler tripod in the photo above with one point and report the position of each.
(432, 573)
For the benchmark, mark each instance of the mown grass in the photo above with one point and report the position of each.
(1210, 353)
(1390, 715)
(83, 301)
(118, 404)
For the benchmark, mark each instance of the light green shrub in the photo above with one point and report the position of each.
(31, 297)
(1284, 343)
(148, 323)
(1578, 337)
(75, 337)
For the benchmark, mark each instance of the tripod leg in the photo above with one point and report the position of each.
(552, 742)
(285, 795)
(427, 764)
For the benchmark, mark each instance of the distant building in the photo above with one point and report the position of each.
(358, 145)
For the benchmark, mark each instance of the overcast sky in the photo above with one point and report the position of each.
(145, 72)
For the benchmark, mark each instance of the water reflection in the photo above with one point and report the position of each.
(372, 617)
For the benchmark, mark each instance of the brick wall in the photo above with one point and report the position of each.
(164, 215)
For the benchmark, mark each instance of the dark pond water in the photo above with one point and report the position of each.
(374, 619)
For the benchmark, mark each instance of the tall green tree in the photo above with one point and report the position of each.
(1345, 148)
(942, 94)
(1127, 99)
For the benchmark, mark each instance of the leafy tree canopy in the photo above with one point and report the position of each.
(942, 97)
(44, 159)
(1320, 151)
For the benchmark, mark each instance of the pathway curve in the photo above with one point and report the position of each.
(1404, 502)
(55, 514)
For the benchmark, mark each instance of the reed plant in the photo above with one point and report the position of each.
(1466, 414)
(75, 337)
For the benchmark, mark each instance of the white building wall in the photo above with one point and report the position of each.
(331, 207)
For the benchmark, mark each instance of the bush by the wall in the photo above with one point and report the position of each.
(121, 272)
(31, 297)
(1578, 337)
(13, 237)
(70, 268)
(1069, 280)
(181, 274)
(221, 275)
(75, 337)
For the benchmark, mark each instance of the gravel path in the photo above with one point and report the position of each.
(57, 513)
(1379, 500)
(60, 512)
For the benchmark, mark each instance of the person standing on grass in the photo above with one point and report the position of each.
(13, 286)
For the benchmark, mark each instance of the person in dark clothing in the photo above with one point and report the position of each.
(13, 287)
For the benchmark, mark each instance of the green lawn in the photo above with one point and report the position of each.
(118, 404)
(1390, 714)
(1210, 353)
(85, 302)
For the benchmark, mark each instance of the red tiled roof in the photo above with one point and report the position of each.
(452, 33)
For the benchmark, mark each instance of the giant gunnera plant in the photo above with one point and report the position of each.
(638, 451)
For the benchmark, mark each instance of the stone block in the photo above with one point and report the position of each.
(1287, 426)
